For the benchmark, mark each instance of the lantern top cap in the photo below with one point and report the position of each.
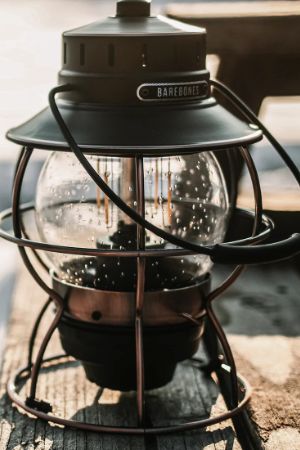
(133, 8)
(135, 26)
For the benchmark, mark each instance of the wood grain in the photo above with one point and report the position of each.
(191, 395)
(261, 316)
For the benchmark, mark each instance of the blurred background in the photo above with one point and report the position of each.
(30, 35)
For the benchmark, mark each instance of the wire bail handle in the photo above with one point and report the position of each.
(220, 253)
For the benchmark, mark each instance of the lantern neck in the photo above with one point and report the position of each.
(133, 8)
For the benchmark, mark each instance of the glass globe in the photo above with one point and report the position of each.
(184, 195)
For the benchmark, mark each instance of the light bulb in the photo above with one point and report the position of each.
(184, 195)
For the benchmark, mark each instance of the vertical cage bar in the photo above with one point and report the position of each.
(235, 274)
(20, 170)
(16, 216)
(140, 288)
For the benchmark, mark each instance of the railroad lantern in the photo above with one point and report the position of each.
(132, 207)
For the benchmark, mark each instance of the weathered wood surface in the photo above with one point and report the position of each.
(261, 315)
(189, 396)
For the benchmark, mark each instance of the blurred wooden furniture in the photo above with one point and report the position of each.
(258, 44)
(259, 48)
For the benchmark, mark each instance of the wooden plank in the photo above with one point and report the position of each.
(230, 10)
(7, 279)
(251, 28)
(189, 396)
(261, 314)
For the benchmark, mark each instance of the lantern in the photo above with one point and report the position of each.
(132, 209)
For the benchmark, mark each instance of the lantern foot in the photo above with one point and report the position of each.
(38, 405)
(41, 409)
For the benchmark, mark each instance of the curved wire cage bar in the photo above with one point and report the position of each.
(240, 389)
(197, 123)
(24, 373)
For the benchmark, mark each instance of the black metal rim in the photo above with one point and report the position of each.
(267, 224)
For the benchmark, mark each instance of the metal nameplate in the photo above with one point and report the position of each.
(157, 92)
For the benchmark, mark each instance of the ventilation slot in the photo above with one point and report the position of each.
(82, 54)
(144, 56)
(175, 55)
(111, 55)
(198, 52)
(65, 53)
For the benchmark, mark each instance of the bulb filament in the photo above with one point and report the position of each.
(106, 200)
(169, 193)
(156, 185)
(98, 189)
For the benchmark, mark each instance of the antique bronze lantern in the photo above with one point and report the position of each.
(132, 208)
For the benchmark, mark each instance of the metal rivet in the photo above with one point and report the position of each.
(96, 315)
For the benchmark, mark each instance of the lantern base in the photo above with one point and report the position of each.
(98, 328)
(122, 379)
(108, 353)
(234, 389)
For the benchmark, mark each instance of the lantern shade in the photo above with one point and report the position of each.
(126, 130)
(140, 85)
